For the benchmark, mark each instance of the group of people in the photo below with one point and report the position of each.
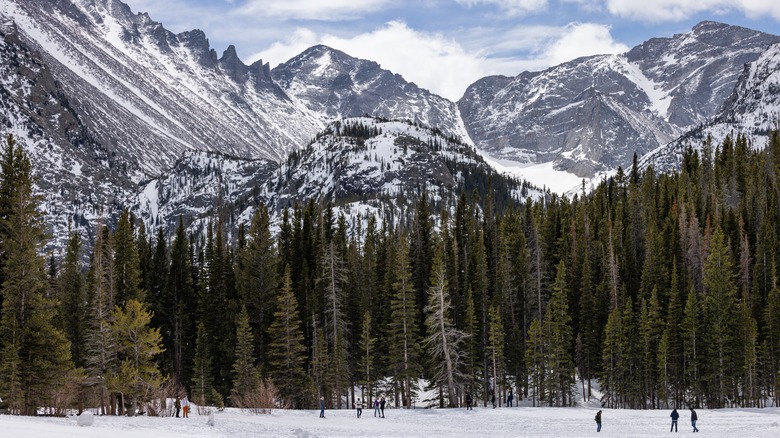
(509, 399)
(379, 407)
(675, 416)
(183, 405)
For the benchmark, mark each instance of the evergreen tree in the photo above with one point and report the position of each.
(257, 277)
(246, 378)
(366, 359)
(35, 356)
(558, 342)
(127, 277)
(287, 352)
(74, 300)
(138, 378)
(405, 351)
(719, 312)
(202, 387)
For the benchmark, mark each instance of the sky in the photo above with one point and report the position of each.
(446, 45)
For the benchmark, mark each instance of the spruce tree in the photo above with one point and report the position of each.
(404, 342)
(35, 355)
(74, 300)
(257, 277)
(287, 352)
(202, 387)
(126, 266)
(246, 378)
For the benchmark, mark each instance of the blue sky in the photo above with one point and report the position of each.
(445, 45)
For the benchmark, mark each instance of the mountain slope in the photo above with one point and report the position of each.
(593, 113)
(752, 110)
(336, 85)
(148, 95)
(360, 165)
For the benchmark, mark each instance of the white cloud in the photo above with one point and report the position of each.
(329, 10)
(446, 67)
(511, 7)
(432, 61)
(582, 39)
(676, 10)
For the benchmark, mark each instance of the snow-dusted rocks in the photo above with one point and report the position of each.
(593, 113)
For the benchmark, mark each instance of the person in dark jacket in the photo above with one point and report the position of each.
(675, 415)
(694, 417)
(510, 398)
(382, 403)
(177, 405)
(598, 421)
(322, 407)
(468, 401)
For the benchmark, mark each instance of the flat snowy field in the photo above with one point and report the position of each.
(481, 422)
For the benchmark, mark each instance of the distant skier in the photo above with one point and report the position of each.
(468, 401)
(359, 406)
(598, 421)
(694, 417)
(376, 407)
(510, 398)
(382, 406)
(322, 407)
(675, 415)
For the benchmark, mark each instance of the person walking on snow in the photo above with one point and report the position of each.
(359, 406)
(177, 406)
(694, 417)
(598, 421)
(376, 407)
(322, 407)
(509, 399)
(675, 415)
(382, 406)
(468, 401)
(185, 407)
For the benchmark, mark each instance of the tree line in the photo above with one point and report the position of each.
(661, 287)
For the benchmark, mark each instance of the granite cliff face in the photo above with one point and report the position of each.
(592, 114)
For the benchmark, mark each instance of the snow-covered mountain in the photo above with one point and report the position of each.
(336, 85)
(752, 110)
(592, 114)
(363, 166)
(148, 95)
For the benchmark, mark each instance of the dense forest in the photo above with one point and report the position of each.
(661, 287)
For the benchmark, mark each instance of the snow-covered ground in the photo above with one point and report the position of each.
(480, 422)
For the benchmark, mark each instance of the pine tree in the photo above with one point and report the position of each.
(366, 359)
(444, 341)
(405, 351)
(74, 300)
(127, 276)
(35, 355)
(558, 342)
(202, 388)
(332, 285)
(287, 352)
(138, 378)
(101, 348)
(257, 277)
(719, 312)
(496, 351)
(246, 378)
(534, 357)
